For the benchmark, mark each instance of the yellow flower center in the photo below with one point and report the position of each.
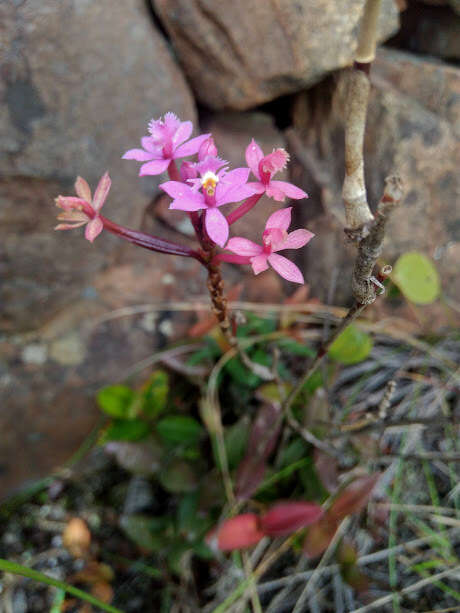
(209, 181)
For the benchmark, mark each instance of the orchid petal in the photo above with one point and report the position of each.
(216, 226)
(93, 229)
(280, 219)
(155, 167)
(172, 122)
(70, 203)
(259, 263)
(275, 192)
(285, 268)
(102, 191)
(182, 133)
(253, 156)
(243, 246)
(138, 154)
(295, 240)
(82, 188)
(191, 147)
(69, 226)
(235, 194)
(148, 143)
(291, 191)
(177, 189)
(257, 186)
(77, 216)
(187, 203)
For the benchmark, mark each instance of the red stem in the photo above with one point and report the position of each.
(148, 241)
(232, 258)
(243, 208)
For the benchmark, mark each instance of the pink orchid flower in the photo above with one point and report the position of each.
(218, 187)
(275, 238)
(265, 167)
(165, 144)
(84, 209)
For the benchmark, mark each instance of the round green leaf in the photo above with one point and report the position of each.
(416, 276)
(352, 346)
(116, 401)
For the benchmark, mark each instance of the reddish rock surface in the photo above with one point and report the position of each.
(242, 53)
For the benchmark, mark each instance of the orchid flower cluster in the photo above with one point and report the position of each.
(202, 188)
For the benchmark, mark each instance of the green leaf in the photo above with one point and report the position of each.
(125, 430)
(116, 401)
(295, 451)
(180, 429)
(17, 569)
(352, 346)
(149, 533)
(416, 276)
(155, 394)
(240, 373)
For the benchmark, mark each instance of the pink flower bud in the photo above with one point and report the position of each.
(188, 171)
(207, 149)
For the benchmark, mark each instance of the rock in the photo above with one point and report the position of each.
(430, 30)
(77, 87)
(240, 54)
(455, 4)
(412, 128)
(435, 85)
(49, 377)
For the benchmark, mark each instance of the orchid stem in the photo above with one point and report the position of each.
(148, 241)
(243, 208)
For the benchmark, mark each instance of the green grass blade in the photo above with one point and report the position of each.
(18, 569)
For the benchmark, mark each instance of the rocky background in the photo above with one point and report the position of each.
(79, 79)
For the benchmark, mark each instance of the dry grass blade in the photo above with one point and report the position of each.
(418, 585)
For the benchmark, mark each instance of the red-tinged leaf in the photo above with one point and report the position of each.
(354, 497)
(237, 533)
(319, 536)
(327, 469)
(287, 517)
(261, 443)
(263, 436)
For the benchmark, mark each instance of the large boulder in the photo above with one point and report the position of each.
(78, 82)
(242, 53)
